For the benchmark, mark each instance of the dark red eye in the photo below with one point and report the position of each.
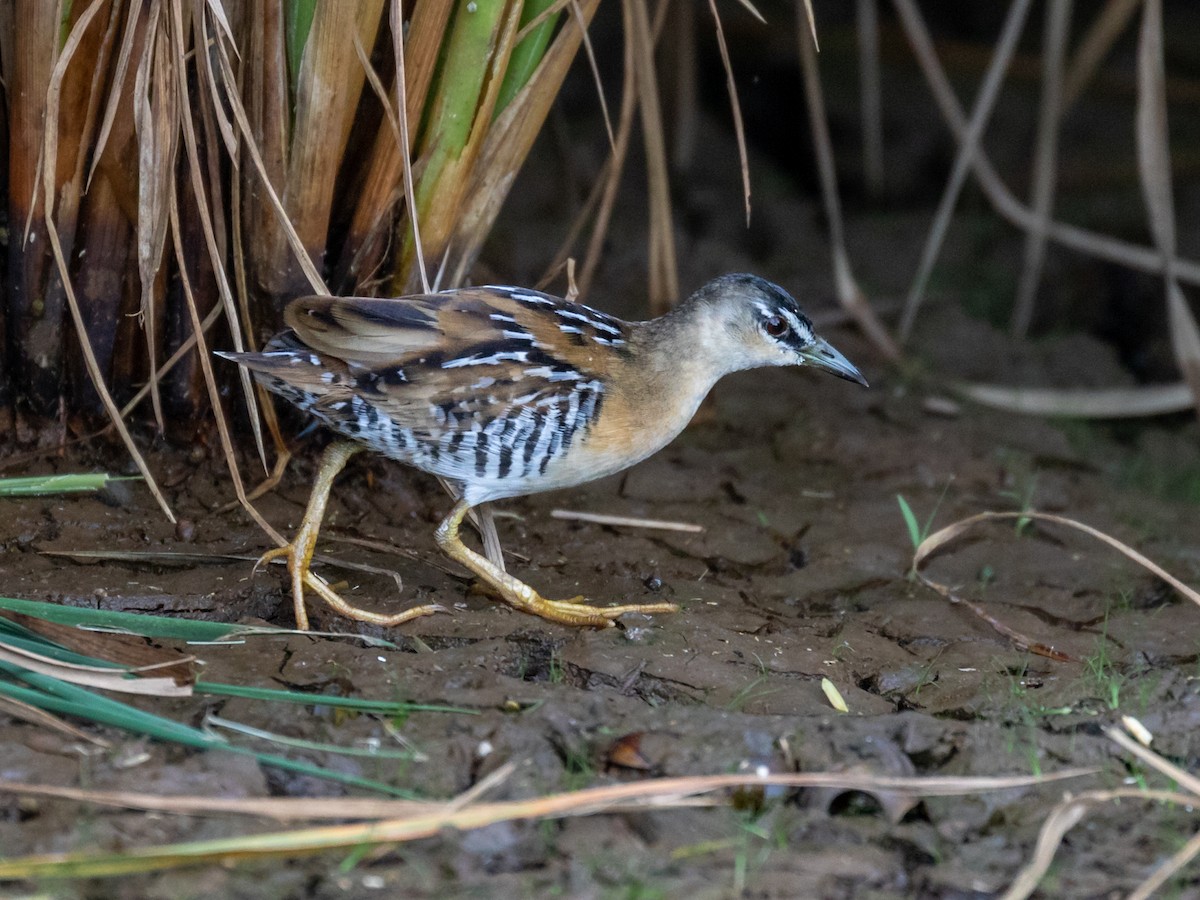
(775, 326)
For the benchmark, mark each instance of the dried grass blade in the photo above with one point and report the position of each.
(210, 381)
(1108, 25)
(128, 41)
(591, 56)
(870, 94)
(1159, 763)
(28, 712)
(315, 282)
(658, 793)
(1167, 869)
(281, 809)
(664, 272)
(204, 207)
(1045, 159)
(849, 294)
(739, 127)
(370, 228)
(812, 23)
(944, 536)
(404, 140)
(324, 117)
(1065, 816)
(610, 180)
(1154, 167)
(1084, 403)
(1006, 45)
(50, 150)
(156, 124)
(1002, 199)
(571, 515)
(108, 679)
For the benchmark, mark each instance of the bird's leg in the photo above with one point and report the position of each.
(522, 596)
(299, 552)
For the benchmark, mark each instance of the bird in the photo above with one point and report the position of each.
(505, 391)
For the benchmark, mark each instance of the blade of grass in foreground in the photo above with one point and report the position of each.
(148, 625)
(42, 485)
(57, 696)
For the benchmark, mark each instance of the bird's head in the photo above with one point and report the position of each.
(767, 327)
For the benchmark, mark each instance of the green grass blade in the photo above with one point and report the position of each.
(297, 25)
(361, 704)
(137, 623)
(527, 54)
(910, 521)
(41, 485)
(56, 696)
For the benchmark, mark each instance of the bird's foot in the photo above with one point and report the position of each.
(298, 559)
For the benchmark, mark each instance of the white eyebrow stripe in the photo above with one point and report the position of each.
(797, 326)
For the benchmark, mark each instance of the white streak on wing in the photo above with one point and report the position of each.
(535, 299)
(599, 322)
(494, 359)
(570, 329)
(501, 317)
(607, 342)
(517, 335)
(551, 375)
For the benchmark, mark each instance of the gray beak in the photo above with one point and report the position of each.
(820, 353)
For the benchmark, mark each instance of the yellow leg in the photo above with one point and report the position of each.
(522, 596)
(300, 551)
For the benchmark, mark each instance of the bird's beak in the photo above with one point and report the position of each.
(820, 353)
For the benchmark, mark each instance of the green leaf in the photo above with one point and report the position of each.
(910, 521)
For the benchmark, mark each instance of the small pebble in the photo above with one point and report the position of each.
(653, 583)
(185, 530)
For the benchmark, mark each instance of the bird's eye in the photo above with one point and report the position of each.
(775, 326)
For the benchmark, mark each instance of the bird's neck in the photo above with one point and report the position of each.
(674, 361)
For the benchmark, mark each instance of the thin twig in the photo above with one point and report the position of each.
(625, 521)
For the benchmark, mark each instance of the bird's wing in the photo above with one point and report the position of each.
(442, 362)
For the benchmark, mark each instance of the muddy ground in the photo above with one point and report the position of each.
(799, 575)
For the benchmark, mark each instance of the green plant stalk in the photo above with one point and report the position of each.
(452, 107)
(528, 53)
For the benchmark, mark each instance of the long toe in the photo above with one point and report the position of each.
(582, 614)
